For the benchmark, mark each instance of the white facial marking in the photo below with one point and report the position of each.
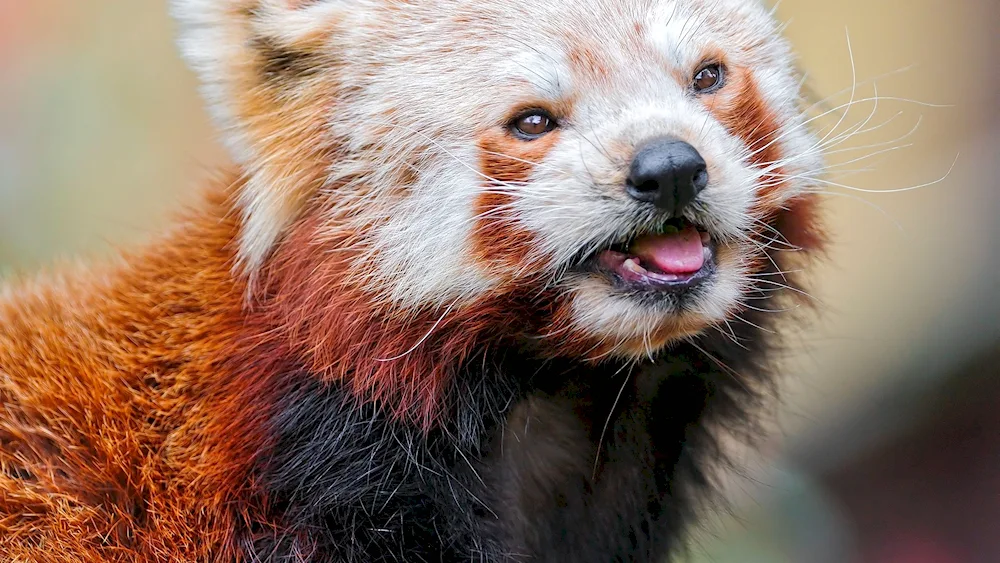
(418, 86)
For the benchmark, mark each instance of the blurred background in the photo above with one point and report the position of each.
(888, 441)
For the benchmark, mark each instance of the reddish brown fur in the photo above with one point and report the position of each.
(797, 225)
(139, 405)
(742, 109)
(500, 244)
(586, 60)
(801, 224)
(113, 387)
(508, 164)
(391, 357)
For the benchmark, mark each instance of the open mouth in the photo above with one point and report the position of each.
(677, 258)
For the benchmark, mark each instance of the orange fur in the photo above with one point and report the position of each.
(745, 112)
(507, 163)
(116, 389)
(747, 115)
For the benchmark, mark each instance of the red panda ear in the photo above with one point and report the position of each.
(268, 74)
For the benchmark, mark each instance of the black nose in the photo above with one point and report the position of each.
(668, 173)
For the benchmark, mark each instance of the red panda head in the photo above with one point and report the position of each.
(458, 156)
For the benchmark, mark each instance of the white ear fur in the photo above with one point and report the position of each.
(297, 24)
(273, 130)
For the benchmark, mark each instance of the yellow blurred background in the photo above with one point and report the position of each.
(889, 448)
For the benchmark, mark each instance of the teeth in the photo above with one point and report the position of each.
(665, 277)
(705, 238)
(632, 265)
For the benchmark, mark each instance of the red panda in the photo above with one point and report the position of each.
(486, 281)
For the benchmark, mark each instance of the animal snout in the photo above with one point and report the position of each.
(668, 173)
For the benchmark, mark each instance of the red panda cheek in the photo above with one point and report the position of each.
(501, 243)
(747, 115)
(741, 108)
(800, 224)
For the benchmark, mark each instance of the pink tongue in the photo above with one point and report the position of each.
(675, 253)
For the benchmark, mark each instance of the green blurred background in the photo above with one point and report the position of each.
(887, 448)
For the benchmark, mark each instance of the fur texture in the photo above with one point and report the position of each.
(374, 341)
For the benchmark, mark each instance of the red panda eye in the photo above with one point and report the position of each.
(533, 125)
(709, 78)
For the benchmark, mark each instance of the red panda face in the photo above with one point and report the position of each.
(622, 163)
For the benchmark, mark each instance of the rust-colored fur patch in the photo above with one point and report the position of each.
(401, 359)
(110, 397)
(507, 163)
(744, 111)
(800, 223)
